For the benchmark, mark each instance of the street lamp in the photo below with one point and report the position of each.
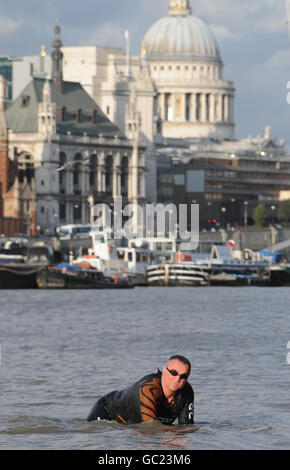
(91, 201)
(273, 209)
(223, 209)
(55, 215)
(246, 214)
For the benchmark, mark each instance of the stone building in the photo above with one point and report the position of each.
(65, 155)
(174, 92)
(116, 80)
(194, 100)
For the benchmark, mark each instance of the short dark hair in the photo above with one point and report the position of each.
(182, 359)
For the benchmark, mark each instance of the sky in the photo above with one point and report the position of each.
(252, 35)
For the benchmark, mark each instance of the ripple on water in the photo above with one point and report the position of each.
(66, 349)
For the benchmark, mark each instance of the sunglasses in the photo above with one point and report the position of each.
(175, 374)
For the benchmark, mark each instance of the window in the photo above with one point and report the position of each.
(25, 101)
(198, 107)
(187, 106)
(208, 107)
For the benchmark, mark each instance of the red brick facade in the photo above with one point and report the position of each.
(4, 165)
(10, 223)
(10, 226)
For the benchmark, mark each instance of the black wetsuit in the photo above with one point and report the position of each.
(144, 401)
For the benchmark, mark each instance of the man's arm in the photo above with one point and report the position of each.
(186, 415)
(149, 393)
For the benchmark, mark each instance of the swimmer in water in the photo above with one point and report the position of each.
(162, 396)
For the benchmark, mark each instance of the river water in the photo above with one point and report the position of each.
(62, 350)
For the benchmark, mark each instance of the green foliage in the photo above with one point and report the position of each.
(260, 216)
(284, 211)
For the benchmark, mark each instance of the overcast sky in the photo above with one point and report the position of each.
(252, 35)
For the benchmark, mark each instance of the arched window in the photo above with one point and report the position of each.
(93, 171)
(25, 168)
(62, 172)
(77, 174)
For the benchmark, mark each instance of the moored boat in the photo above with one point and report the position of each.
(65, 276)
(19, 276)
(279, 275)
(229, 279)
(171, 274)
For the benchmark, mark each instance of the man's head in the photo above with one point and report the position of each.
(175, 373)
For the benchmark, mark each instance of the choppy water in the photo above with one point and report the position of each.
(61, 350)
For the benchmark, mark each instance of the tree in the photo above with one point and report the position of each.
(260, 216)
(284, 211)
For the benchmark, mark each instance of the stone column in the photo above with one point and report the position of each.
(67, 213)
(226, 108)
(101, 173)
(221, 107)
(69, 208)
(133, 174)
(84, 180)
(231, 108)
(117, 175)
(69, 181)
(142, 192)
(162, 106)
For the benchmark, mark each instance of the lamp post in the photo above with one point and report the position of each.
(55, 216)
(273, 214)
(246, 214)
(48, 200)
(223, 209)
(91, 201)
(232, 211)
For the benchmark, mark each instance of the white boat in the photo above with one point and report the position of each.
(221, 260)
(176, 274)
(142, 253)
(114, 259)
(103, 256)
